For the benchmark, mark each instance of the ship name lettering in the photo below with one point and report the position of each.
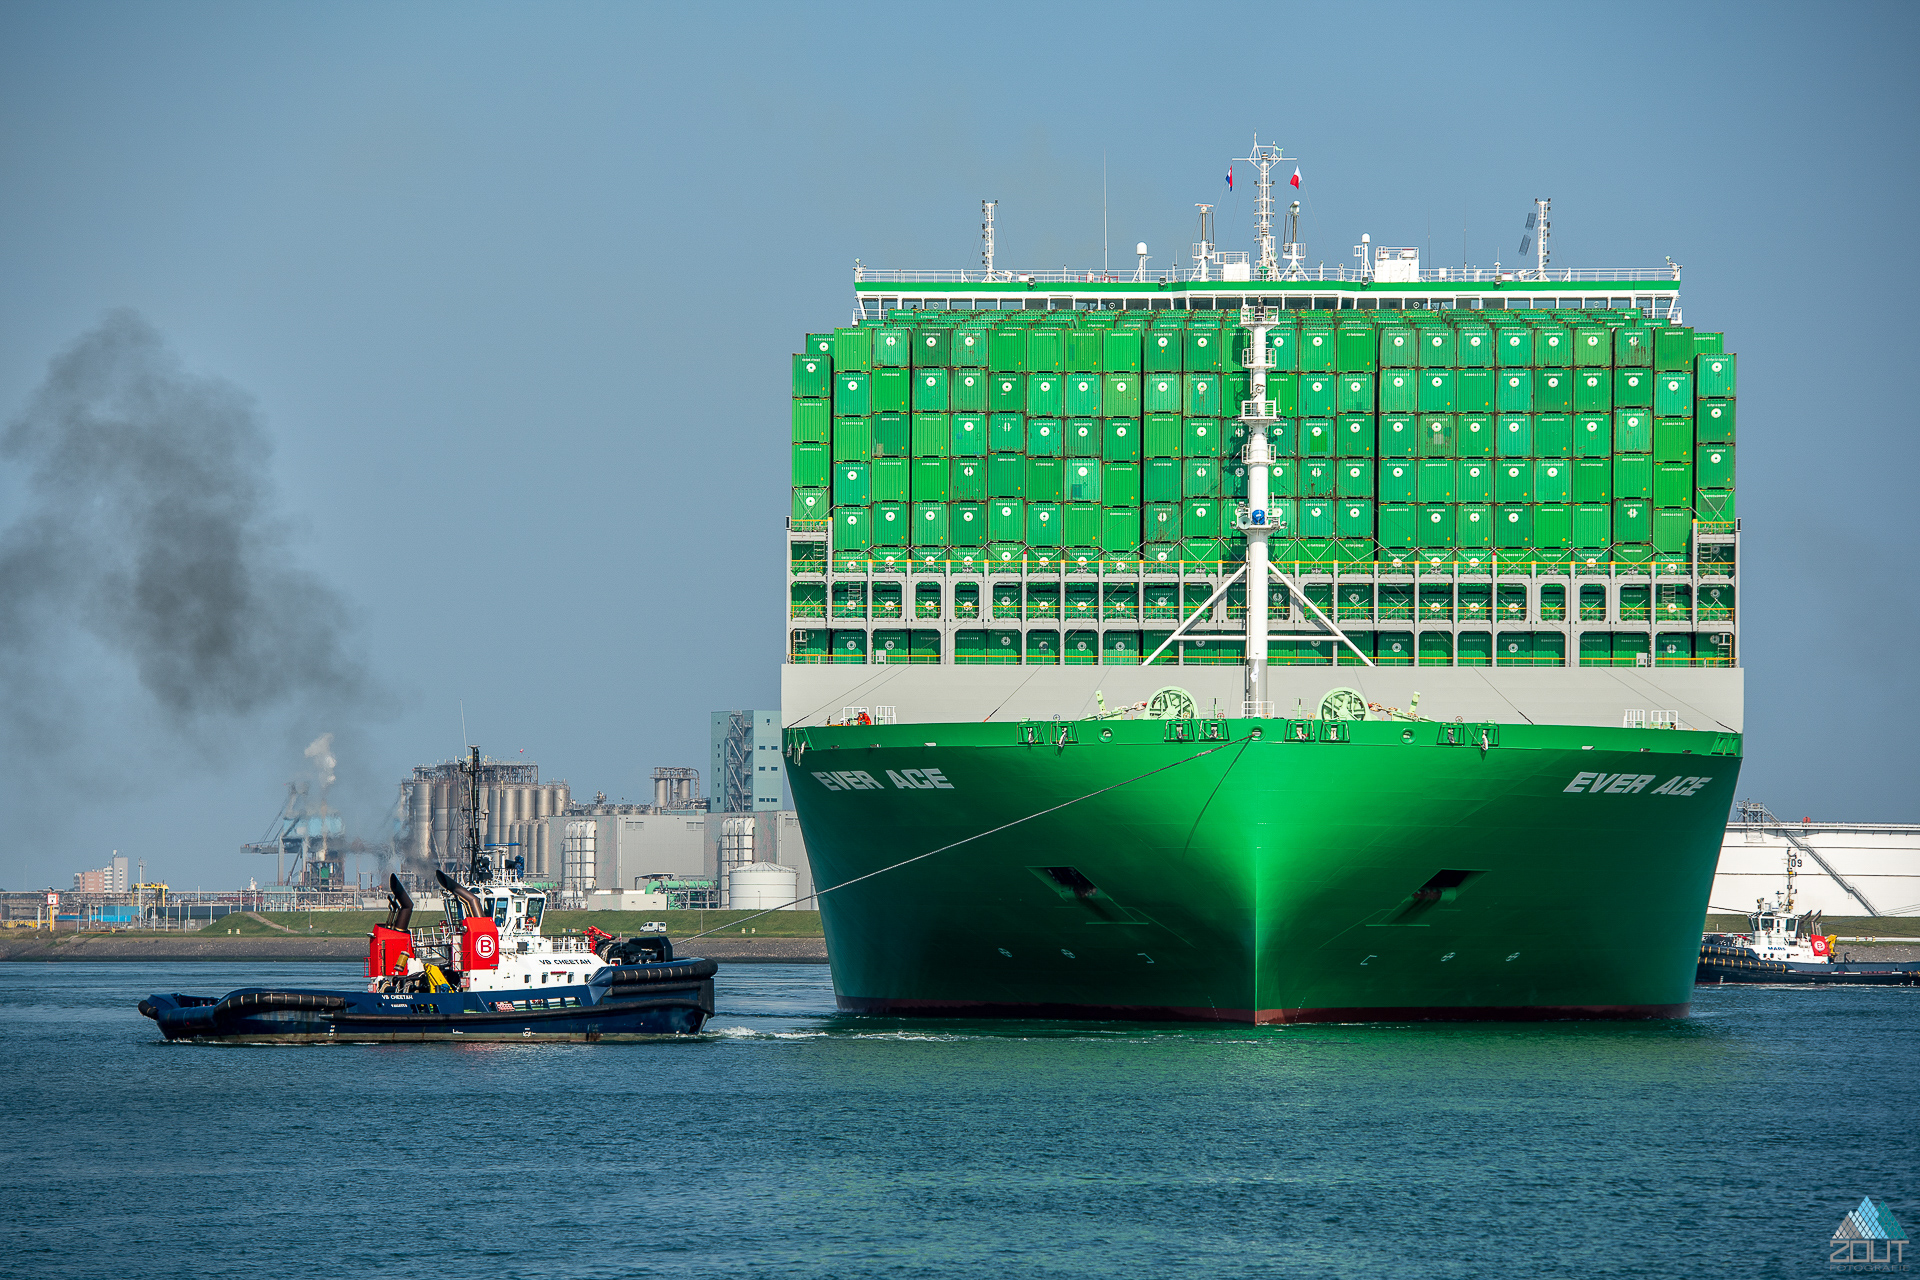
(920, 780)
(849, 780)
(1632, 784)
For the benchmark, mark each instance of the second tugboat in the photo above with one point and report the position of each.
(1780, 947)
(486, 973)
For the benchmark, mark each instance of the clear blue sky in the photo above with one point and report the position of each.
(513, 289)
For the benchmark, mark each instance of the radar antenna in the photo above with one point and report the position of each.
(1264, 159)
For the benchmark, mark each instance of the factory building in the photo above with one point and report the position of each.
(516, 812)
(675, 851)
(745, 762)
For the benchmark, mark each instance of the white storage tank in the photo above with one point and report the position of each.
(761, 886)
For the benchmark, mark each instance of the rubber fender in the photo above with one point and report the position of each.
(242, 1003)
(625, 979)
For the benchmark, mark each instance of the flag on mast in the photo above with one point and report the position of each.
(1295, 180)
(1229, 177)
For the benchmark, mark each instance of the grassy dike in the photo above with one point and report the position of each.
(680, 924)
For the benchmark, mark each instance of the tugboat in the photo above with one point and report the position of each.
(1781, 947)
(486, 973)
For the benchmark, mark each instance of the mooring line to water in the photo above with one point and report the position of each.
(918, 857)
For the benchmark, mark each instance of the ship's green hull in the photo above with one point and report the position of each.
(1229, 870)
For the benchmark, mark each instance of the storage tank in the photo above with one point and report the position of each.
(762, 886)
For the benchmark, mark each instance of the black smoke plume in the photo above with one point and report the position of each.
(150, 538)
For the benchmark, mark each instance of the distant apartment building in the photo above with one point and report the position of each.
(112, 878)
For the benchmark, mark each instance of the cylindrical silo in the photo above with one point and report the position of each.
(762, 886)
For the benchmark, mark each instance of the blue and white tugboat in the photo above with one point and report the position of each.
(1780, 947)
(486, 973)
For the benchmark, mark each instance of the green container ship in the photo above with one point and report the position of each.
(1501, 501)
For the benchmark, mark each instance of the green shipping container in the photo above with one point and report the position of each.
(1473, 479)
(1044, 525)
(1043, 436)
(1359, 348)
(1474, 345)
(1553, 480)
(1007, 393)
(1084, 395)
(1713, 421)
(1202, 398)
(1632, 520)
(892, 390)
(932, 435)
(932, 347)
(1592, 525)
(1552, 435)
(1632, 431)
(1515, 435)
(1083, 524)
(969, 348)
(1120, 483)
(890, 479)
(852, 395)
(1284, 390)
(1436, 391)
(1398, 391)
(810, 504)
(1006, 476)
(1318, 438)
(812, 376)
(1592, 346)
(929, 524)
(1007, 520)
(1354, 517)
(1083, 480)
(1046, 480)
(1475, 522)
(892, 438)
(1283, 347)
(1397, 526)
(1553, 391)
(1513, 347)
(1593, 480)
(1592, 435)
(1161, 481)
(853, 350)
(1513, 527)
(1552, 526)
(1316, 350)
(1201, 438)
(969, 390)
(969, 435)
(1317, 477)
(1673, 395)
(1045, 393)
(852, 484)
(1672, 529)
(1122, 440)
(1007, 433)
(852, 528)
(1474, 435)
(967, 479)
(1592, 391)
(1552, 346)
(1163, 351)
(1120, 394)
(1673, 348)
(1399, 436)
(1206, 352)
(1513, 481)
(1633, 388)
(810, 466)
(1672, 440)
(1121, 353)
(1714, 504)
(1319, 395)
(1437, 480)
(1436, 435)
(1200, 478)
(1283, 478)
(1354, 479)
(1200, 518)
(1085, 437)
(1354, 433)
(1399, 348)
(1437, 349)
(930, 480)
(1163, 393)
(812, 421)
(1046, 351)
(819, 344)
(1713, 375)
(1513, 391)
(1354, 393)
(1084, 349)
(1714, 466)
(967, 524)
(1436, 527)
(1161, 437)
(1317, 518)
(1475, 390)
(1633, 477)
(1120, 529)
(892, 348)
(1633, 347)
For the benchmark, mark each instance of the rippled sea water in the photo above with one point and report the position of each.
(795, 1141)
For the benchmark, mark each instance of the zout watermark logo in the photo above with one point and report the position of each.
(1868, 1240)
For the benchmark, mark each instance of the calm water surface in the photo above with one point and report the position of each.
(796, 1141)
